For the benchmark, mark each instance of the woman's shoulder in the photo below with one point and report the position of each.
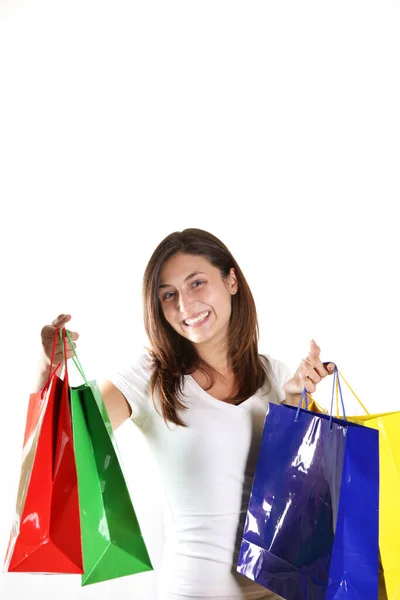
(277, 370)
(143, 360)
(139, 364)
(273, 361)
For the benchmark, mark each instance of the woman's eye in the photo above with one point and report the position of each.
(167, 295)
(199, 282)
(196, 284)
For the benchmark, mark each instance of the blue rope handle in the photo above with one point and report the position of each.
(303, 395)
(336, 377)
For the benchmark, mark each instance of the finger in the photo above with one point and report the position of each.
(60, 320)
(318, 366)
(330, 366)
(323, 369)
(48, 331)
(60, 359)
(59, 356)
(307, 369)
(315, 350)
(307, 383)
(72, 334)
(59, 347)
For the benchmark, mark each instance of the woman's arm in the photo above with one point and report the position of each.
(117, 406)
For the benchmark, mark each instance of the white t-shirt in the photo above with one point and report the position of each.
(207, 471)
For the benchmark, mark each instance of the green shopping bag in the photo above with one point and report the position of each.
(112, 543)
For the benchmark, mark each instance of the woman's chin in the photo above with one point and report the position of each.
(199, 337)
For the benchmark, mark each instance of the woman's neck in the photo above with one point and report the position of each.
(217, 357)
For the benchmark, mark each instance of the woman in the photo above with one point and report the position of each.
(200, 393)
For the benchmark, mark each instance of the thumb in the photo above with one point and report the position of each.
(60, 320)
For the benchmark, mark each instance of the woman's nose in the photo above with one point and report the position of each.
(184, 304)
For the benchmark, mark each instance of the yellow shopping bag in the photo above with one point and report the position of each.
(388, 425)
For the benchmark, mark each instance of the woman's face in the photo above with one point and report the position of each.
(195, 300)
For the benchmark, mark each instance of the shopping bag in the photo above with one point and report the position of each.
(388, 426)
(112, 542)
(311, 529)
(45, 534)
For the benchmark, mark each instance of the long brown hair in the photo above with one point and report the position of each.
(173, 356)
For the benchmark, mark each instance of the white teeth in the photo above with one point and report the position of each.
(197, 319)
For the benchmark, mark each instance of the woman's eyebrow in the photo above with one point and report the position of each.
(163, 285)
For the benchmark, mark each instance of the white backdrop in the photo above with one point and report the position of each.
(274, 125)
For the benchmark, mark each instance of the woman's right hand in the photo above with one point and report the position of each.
(47, 335)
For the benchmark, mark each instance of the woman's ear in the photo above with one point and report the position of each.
(233, 281)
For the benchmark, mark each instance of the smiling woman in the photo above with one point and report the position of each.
(200, 394)
(200, 309)
(207, 322)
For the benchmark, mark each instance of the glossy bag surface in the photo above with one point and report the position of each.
(113, 545)
(388, 426)
(45, 534)
(307, 534)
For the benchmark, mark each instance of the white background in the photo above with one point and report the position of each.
(273, 125)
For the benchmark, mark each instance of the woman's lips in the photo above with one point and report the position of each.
(199, 323)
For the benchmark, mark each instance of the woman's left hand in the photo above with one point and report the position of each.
(310, 372)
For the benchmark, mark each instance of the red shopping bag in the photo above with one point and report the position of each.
(45, 535)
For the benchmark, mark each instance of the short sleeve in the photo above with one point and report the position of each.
(280, 373)
(133, 381)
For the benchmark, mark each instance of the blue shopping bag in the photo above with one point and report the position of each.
(311, 530)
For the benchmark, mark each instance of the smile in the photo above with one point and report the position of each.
(200, 319)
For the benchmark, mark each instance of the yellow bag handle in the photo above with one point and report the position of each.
(352, 391)
(337, 395)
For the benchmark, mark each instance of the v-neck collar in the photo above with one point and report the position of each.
(214, 401)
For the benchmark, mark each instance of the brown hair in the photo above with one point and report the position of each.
(173, 356)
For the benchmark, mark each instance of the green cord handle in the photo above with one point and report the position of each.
(77, 361)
